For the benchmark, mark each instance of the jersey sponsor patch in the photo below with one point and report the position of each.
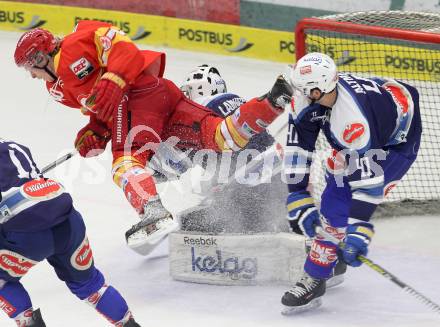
(353, 132)
(15, 264)
(305, 70)
(106, 42)
(336, 163)
(82, 258)
(41, 189)
(322, 254)
(81, 68)
(7, 307)
(389, 187)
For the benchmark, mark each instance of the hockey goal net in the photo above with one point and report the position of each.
(393, 44)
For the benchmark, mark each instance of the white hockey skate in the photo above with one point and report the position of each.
(156, 223)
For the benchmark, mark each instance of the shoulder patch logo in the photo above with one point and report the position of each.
(106, 42)
(41, 189)
(81, 68)
(353, 132)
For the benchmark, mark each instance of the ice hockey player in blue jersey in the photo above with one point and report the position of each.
(374, 128)
(37, 222)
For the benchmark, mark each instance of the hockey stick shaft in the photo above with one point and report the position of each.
(59, 161)
(385, 273)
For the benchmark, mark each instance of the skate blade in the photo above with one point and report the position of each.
(288, 311)
(335, 281)
(144, 244)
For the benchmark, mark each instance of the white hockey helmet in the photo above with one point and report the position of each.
(202, 82)
(314, 71)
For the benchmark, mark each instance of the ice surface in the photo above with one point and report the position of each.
(409, 247)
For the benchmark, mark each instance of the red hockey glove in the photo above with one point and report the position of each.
(106, 95)
(92, 139)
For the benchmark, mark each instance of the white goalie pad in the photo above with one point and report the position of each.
(236, 259)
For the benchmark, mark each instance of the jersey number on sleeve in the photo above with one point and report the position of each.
(292, 135)
(22, 172)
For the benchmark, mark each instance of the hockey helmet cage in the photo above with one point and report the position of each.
(202, 82)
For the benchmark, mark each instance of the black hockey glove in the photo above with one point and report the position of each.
(280, 94)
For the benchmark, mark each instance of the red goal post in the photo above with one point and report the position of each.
(393, 44)
(352, 28)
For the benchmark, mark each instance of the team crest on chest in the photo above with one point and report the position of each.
(353, 132)
(81, 68)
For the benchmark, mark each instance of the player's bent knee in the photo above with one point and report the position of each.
(83, 289)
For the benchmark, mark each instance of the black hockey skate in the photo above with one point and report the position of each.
(131, 323)
(305, 295)
(337, 276)
(37, 319)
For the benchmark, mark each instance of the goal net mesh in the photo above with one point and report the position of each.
(416, 62)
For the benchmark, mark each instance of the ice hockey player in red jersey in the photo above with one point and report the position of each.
(99, 70)
(38, 222)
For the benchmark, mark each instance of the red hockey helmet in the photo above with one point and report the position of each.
(33, 46)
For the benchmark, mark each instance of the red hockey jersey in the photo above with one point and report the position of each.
(93, 49)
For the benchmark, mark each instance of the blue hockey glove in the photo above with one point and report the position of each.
(357, 238)
(302, 214)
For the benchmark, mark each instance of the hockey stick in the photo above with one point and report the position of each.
(379, 269)
(58, 161)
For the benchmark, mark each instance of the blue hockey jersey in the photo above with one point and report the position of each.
(369, 117)
(223, 104)
(28, 201)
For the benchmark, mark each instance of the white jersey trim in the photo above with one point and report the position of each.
(345, 113)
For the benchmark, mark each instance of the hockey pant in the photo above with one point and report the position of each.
(155, 110)
(67, 249)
